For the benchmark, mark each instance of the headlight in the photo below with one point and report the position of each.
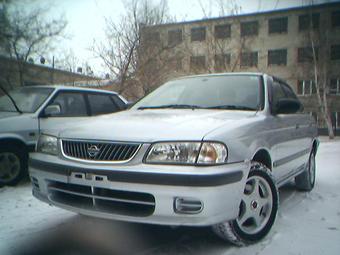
(212, 153)
(187, 153)
(47, 144)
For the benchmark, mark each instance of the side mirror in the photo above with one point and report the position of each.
(52, 110)
(287, 105)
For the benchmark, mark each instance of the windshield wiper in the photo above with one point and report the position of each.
(172, 106)
(11, 98)
(232, 107)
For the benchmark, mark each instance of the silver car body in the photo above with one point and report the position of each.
(287, 138)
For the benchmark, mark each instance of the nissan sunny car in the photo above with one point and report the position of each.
(207, 150)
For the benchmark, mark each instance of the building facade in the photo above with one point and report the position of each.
(287, 43)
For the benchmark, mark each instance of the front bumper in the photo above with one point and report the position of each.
(139, 192)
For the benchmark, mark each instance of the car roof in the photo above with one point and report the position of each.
(221, 74)
(73, 88)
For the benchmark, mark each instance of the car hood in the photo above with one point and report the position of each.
(155, 125)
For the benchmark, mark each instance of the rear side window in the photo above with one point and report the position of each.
(101, 104)
(72, 104)
(281, 90)
(288, 91)
(278, 93)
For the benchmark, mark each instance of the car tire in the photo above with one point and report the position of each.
(306, 180)
(13, 164)
(258, 209)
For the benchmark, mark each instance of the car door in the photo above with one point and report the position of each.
(73, 110)
(284, 140)
(303, 133)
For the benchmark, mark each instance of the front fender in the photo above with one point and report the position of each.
(11, 136)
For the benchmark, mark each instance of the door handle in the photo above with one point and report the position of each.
(297, 126)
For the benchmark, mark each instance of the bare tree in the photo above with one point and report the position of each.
(225, 8)
(206, 8)
(4, 25)
(119, 52)
(319, 44)
(27, 34)
(67, 60)
(158, 60)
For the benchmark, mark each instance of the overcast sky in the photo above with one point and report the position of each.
(86, 18)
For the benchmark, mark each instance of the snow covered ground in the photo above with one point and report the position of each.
(307, 223)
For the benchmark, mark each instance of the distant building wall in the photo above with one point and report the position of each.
(37, 74)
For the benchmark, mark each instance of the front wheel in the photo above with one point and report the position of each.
(13, 165)
(257, 212)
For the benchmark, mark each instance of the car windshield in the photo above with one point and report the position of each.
(234, 92)
(27, 99)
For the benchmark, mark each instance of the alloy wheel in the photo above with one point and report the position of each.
(256, 205)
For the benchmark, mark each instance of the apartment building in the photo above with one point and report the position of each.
(277, 42)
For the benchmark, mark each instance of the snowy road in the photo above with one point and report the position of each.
(307, 223)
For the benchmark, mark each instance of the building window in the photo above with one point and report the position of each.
(335, 52)
(249, 28)
(222, 61)
(308, 21)
(198, 34)
(249, 59)
(277, 57)
(174, 37)
(222, 31)
(336, 19)
(197, 63)
(334, 88)
(278, 25)
(306, 54)
(306, 87)
(152, 37)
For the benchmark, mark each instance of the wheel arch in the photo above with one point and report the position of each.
(263, 156)
(315, 145)
(8, 141)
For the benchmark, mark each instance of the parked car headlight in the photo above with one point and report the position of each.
(47, 144)
(187, 153)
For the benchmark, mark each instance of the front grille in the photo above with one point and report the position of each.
(99, 151)
(102, 199)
